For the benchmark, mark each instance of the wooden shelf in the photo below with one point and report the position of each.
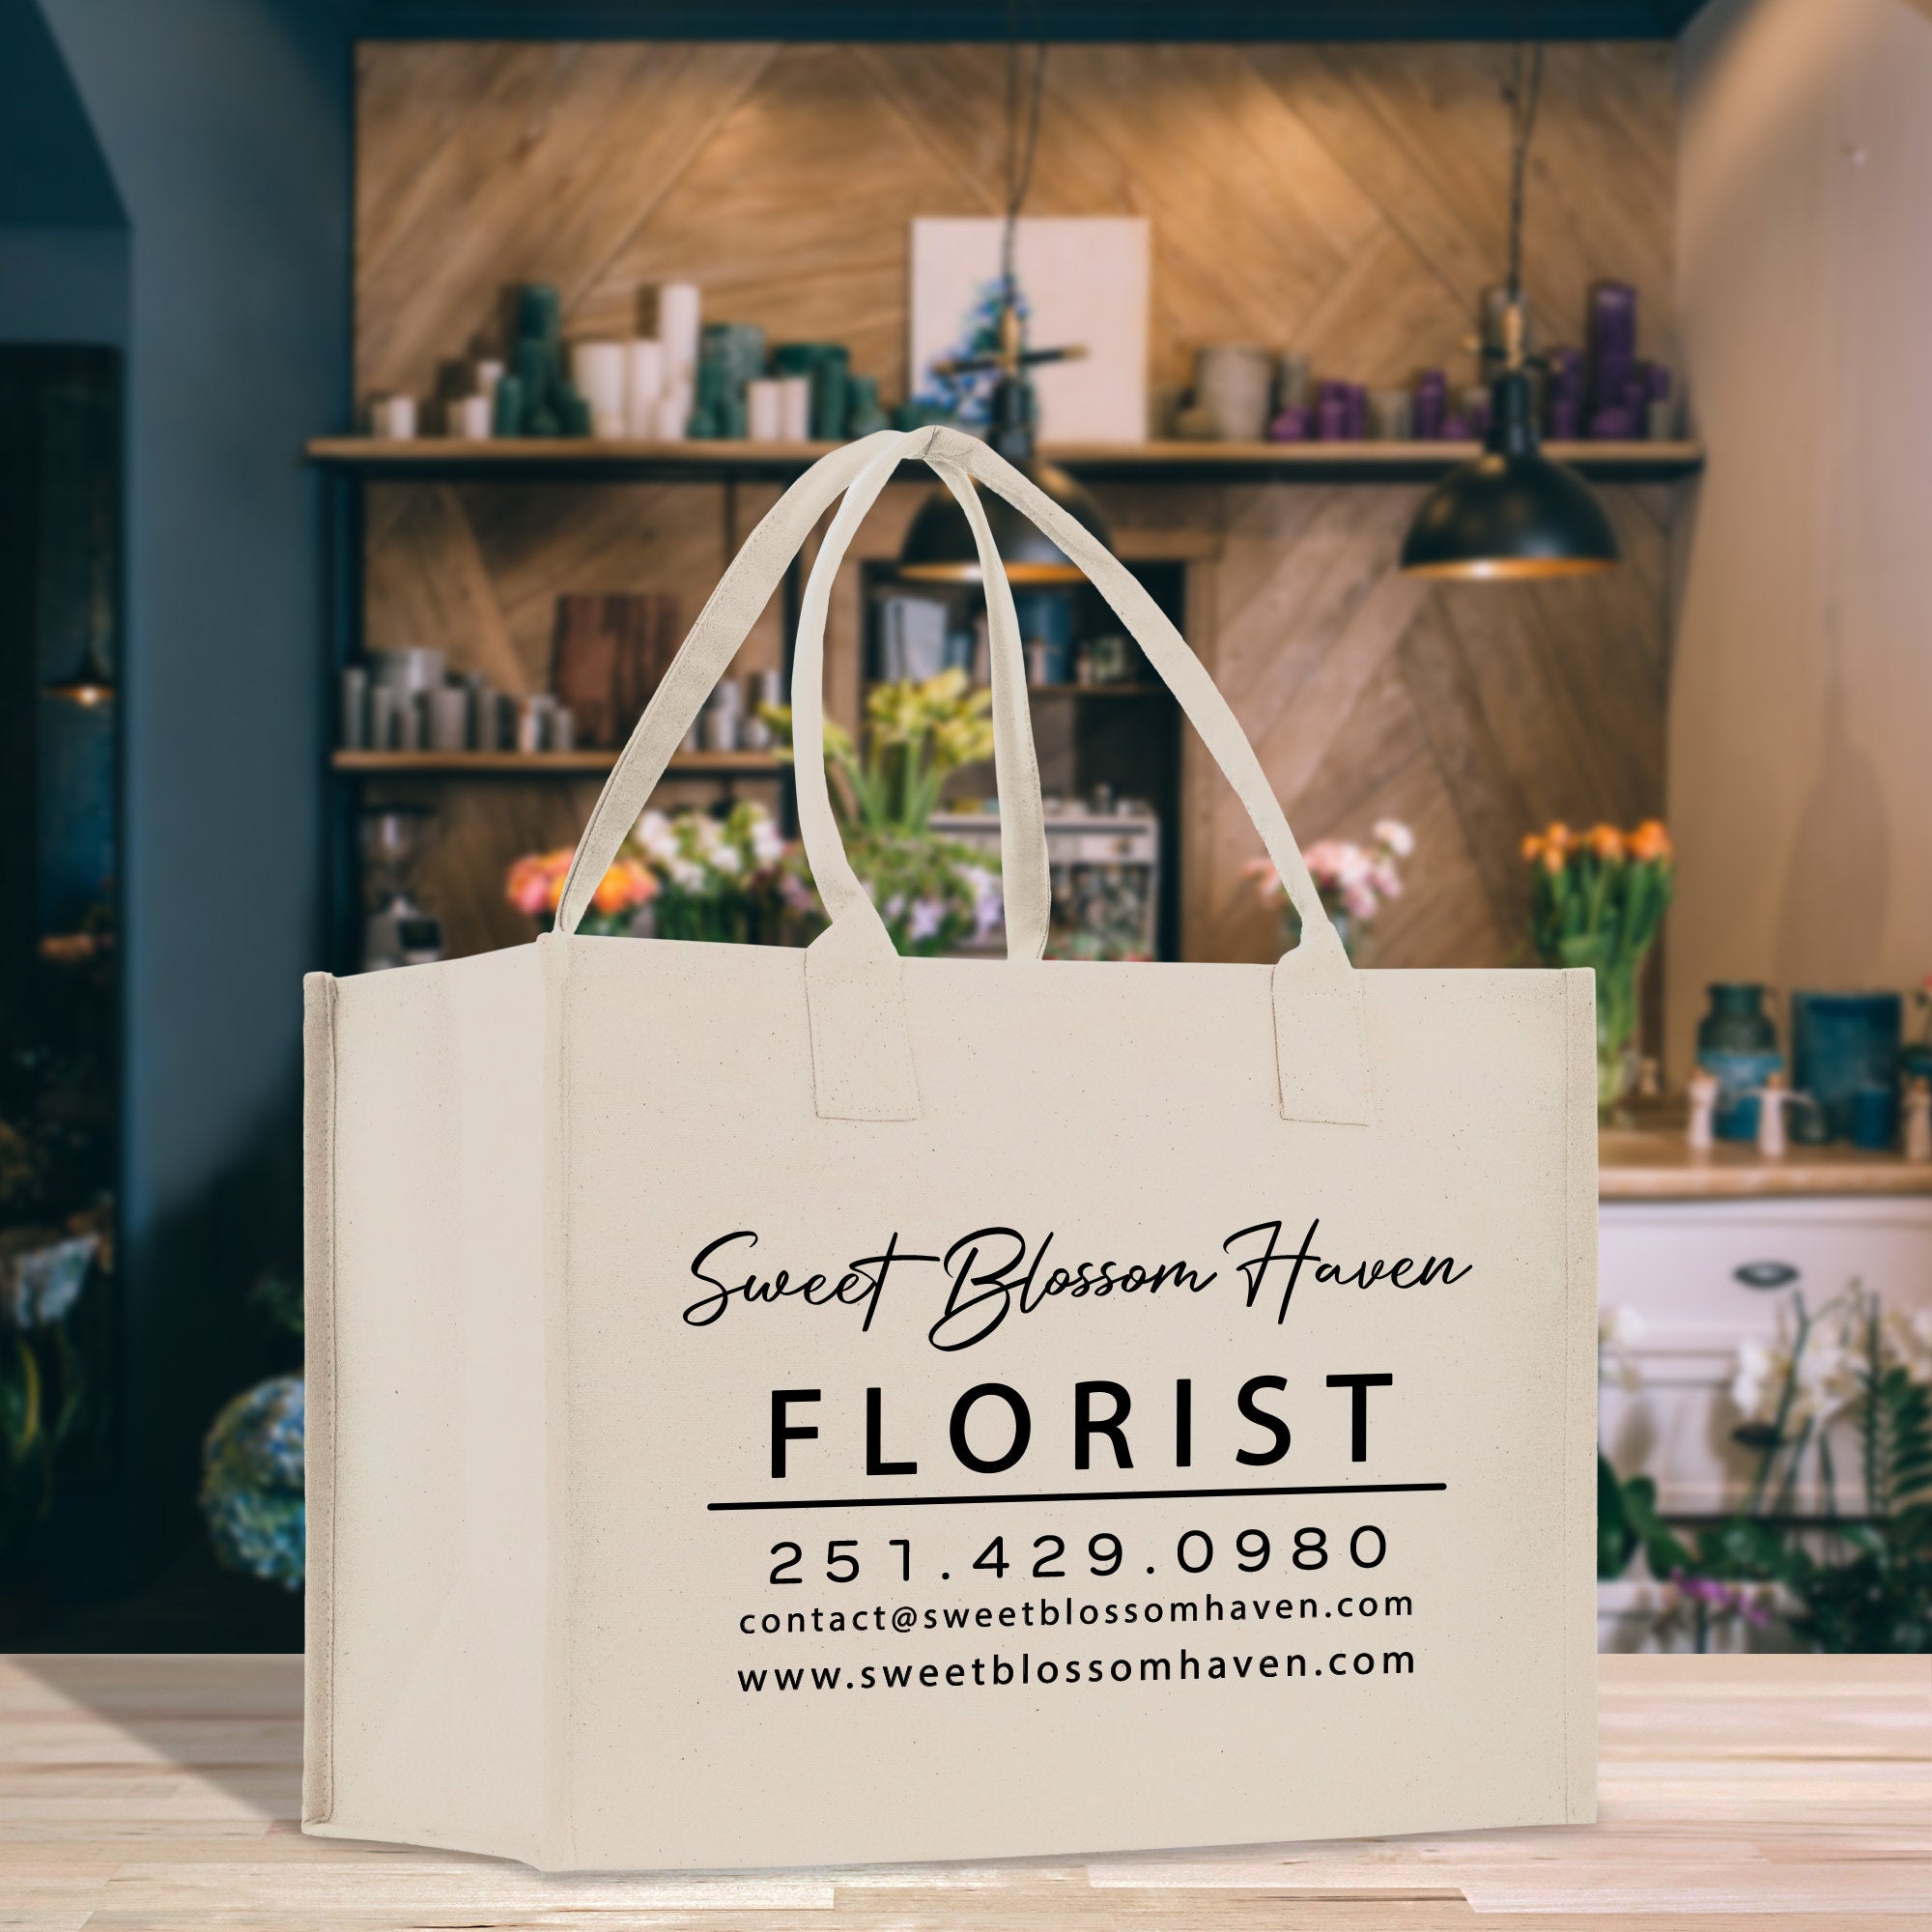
(547, 764)
(443, 459)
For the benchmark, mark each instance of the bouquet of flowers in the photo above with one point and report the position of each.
(688, 875)
(732, 878)
(934, 894)
(1353, 881)
(535, 886)
(1597, 899)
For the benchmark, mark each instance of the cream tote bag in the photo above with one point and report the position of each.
(775, 1407)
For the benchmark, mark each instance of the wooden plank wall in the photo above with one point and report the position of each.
(1348, 201)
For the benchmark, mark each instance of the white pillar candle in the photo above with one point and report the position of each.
(764, 409)
(679, 325)
(796, 408)
(449, 717)
(674, 417)
(469, 418)
(643, 387)
(598, 370)
(394, 418)
(489, 373)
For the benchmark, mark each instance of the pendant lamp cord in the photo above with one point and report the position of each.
(1022, 136)
(1525, 85)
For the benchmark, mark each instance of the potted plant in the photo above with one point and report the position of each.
(1597, 899)
(1856, 1580)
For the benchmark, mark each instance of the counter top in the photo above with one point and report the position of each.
(162, 1792)
(1652, 1162)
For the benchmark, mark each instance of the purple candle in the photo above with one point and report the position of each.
(1332, 419)
(1566, 374)
(1564, 411)
(1432, 401)
(1613, 317)
(1358, 410)
(1455, 430)
(1612, 425)
(1613, 342)
(1291, 425)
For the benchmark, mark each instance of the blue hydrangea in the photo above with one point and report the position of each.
(252, 1484)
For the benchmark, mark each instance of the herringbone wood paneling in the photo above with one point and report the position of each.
(1347, 200)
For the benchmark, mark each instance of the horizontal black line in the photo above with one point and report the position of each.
(1081, 1496)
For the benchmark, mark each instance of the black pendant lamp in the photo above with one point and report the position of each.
(1511, 513)
(939, 546)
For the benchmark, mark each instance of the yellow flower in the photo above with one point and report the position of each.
(1606, 843)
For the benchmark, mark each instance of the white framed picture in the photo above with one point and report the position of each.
(1083, 280)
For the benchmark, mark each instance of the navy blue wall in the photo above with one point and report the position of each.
(225, 131)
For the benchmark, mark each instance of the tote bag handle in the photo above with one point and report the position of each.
(722, 627)
(861, 1061)
(862, 1057)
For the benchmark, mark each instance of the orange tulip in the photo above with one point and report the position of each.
(1650, 841)
(1606, 843)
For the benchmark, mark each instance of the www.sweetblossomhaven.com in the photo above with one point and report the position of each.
(999, 1672)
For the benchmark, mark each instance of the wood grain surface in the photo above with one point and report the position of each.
(1345, 201)
(1788, 1793)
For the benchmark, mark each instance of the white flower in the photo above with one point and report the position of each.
(767, 846)
(1906, 1336)
(686, 874)
(924, 922)
(1619, 1327)
(653, 837)
(1396, 835)
(1759, 1380)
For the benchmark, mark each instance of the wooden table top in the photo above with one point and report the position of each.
(1656, 1162)
(1793, 1792)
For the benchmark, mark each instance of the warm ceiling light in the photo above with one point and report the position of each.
(1512, 513)
(93, 680)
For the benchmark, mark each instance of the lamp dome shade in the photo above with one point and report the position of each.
(939, 546)
(1508, 516)
(1511, 513)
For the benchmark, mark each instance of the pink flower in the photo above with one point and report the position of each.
(535, 883)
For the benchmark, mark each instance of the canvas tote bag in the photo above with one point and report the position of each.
(773, 1407)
